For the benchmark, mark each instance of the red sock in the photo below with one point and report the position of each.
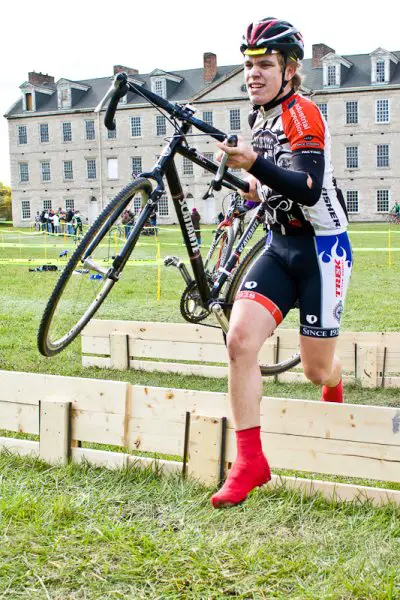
(333, 394)
(250, 470)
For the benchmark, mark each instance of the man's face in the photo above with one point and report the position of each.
(263, 77)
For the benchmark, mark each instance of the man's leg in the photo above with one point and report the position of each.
(322, 367)
(250, 325)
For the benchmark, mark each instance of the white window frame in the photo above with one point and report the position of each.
(352, 201)
(20, 170)
(45, 173)
(234, 114)
(351, 114)
(349, 158)
(323, 107)
(68, 174)
(383, 156)
(137, 204)
(24, 136)
(161, 125)
(140, 161)
(112, 133)
(136, 126)
(331, 75)
(44, 141)
(66, 127)
(379, 73)
(112, 168)
(90, 169)
(210, 156)
(47, 204)
(187, 166)
(69, 204)
(90, 130)
(379, 193)
(163, 206)
(25, 206)
(379, 110)
(207, 118)
(159, 86)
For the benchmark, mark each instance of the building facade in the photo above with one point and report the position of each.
(63, 156)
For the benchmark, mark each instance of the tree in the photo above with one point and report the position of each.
(5, 202)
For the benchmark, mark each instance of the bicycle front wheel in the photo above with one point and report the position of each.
(280, 366)
(84, 283)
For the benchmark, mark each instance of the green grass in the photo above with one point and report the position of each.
(84, 533)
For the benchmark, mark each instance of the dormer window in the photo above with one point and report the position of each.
(335, 69)
(159, 87)
(69, 93)
(383, 64)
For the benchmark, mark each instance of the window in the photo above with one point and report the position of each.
(90, 133)
(332, 75)
(234, 119)
(352, 201)
(382, 111)
(137, 204)
(323, 107)
(136, 127)
(159, 87)
(163, 206)
(46, 204)
(210, 156)
(380, 71)
(45, 173)
(352, 157)
(112, 133)
(68, 172)
(187, 166)
(208, 117)
(67, 132)
(70, 204)
(112, 168)
(382, 155)
(91, 168)
(44, 133)
(382, 200)
(351, 112)
(28, 101)
(22, 135)
(23, 172)
(136, 165)
(161, 127)
(25, 209)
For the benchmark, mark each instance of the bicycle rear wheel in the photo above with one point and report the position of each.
(84, 283)
(245, 265)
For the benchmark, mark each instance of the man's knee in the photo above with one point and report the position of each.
(239, 343)
(317, 374)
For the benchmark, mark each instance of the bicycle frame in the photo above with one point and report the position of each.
(165, 166)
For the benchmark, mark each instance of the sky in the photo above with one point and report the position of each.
(83, 40)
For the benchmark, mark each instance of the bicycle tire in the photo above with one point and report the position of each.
(251, 256)
(92, 240)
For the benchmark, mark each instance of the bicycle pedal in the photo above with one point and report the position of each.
(171, 261)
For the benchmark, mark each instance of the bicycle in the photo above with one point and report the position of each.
(77, 297)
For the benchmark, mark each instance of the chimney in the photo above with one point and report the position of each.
(209, 66)
(318, 51)
(121, 68)
(39, 78)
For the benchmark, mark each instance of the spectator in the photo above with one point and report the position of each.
(77, 222)
(43, 220)
(56, 223)
(128, 221)
(37, 221)
(68, 218)
(196, 224)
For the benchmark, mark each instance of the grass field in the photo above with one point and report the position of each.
(85, 533)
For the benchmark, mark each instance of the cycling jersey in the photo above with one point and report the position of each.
(292, 141)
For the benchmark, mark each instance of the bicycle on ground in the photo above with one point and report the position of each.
(79, 292)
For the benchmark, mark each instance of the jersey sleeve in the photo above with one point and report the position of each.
(303, 125)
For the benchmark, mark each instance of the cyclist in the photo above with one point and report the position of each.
(307, 256)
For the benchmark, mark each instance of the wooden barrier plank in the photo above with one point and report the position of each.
(23, 418)
(86, 394)
(55, 434)
(118, 460)
(205, 432)
(21, 447)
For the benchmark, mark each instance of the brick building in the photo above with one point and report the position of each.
(62, 155)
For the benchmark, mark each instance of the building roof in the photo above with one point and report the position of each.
(192, 83)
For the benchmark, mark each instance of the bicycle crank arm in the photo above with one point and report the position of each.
(218, 311)
(173, 261)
